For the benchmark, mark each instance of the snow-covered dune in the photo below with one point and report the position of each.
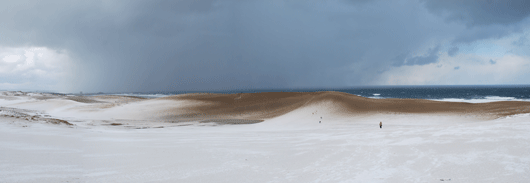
(315, 137)
(243, 108)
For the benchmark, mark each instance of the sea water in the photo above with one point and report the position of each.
(468, 93)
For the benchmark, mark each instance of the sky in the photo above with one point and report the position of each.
(143, 46)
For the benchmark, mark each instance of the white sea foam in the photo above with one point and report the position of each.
(376, 96)
(484, 100)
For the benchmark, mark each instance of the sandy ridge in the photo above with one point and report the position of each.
(257, 106)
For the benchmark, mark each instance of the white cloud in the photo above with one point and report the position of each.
(12, 86)
(29, 57)
(33, 68)
(472, 69)
(485, 62)
(11, 58)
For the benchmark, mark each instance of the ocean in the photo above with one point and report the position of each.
(460, 93)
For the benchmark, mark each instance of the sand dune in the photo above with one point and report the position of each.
(268, 105)
(128, 139)
(241, 108)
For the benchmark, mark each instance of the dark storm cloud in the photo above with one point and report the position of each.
(123, 46)
(484, 19)
(481, 12)
(207, 44)
(432, 57)
(492, 31)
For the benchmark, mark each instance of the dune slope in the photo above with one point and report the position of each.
(258, 106)
(242, 108)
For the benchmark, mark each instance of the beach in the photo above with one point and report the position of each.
(261, 137)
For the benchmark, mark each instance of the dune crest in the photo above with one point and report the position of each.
(259, 106)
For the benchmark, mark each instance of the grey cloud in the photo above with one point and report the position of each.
(492, 62)
(453, 51)
(209, 44)
(457, 67)
(522, 41)
(399, 60)
(357, 2)
(431, 57)
(483, 19)
(493, 31)
(480, 13)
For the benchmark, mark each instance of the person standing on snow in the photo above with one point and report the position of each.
(380, 124)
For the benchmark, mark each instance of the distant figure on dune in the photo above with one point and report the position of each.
(380, 124)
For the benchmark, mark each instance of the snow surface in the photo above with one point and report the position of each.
(291, 148)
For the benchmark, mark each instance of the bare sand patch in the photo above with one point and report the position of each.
(259, 106)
